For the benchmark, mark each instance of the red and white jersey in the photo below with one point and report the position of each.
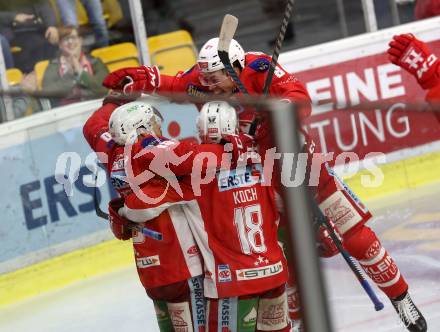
(156, 266)
(234, 220)
(240, 223)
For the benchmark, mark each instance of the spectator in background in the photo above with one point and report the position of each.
(6, 50)
(69, 17)
(74, 73)
(29, 25)
(25, 104)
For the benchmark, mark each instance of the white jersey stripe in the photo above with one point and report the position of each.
(186, 240)
(391, 282)
(195, 220)
(142, 215)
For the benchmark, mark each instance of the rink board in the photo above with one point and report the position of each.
(34, 228)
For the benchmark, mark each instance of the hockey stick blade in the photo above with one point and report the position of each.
(227, 32)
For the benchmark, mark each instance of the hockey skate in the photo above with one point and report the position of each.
(410, 315)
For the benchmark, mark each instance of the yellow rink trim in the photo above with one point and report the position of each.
(63, 270)
(401, 175)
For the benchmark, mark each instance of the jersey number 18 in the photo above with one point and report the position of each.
(249, 222)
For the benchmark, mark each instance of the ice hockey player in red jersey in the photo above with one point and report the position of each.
(237, 235)
(172, 282)
(416, 58)
(209, 76)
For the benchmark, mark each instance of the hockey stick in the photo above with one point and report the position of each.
(278, 44)
(144, 230)
(275, 54)
(98, 210)
(322, 219)
(227, 31)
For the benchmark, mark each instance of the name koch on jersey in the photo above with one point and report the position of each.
(240, 177)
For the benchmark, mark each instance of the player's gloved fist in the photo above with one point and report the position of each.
(415, 57)
(241, 144)
(118, 224)
(326, 246)
(131, 80)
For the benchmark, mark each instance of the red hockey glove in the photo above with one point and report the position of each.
(241, 144)
(118, 223)
(326, 246)
(133, 80)
(415, 57)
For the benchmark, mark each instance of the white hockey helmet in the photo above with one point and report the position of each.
(216, 119)
(132, 119)
(209, 61)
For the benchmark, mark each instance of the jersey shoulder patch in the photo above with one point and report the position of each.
(152, 141)
(260, 64)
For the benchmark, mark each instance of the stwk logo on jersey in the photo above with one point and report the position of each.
(224, 273)
(198, 303)
(145, 262)
(239, 177)
(260, 272)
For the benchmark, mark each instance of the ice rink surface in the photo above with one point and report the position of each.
(408, 225)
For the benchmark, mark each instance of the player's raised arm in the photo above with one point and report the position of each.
(416, 58)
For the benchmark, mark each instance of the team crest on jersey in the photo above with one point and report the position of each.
(224, 273)
(194, 90)
(239, 177)
(260, 64)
